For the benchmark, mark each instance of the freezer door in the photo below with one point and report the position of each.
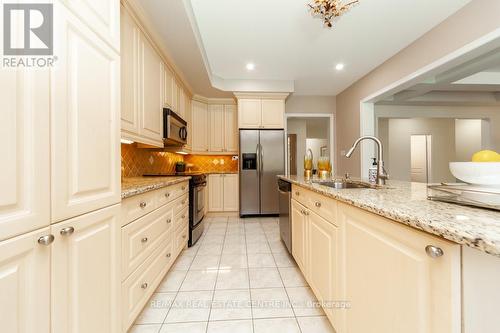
(249, 172)
(272, 163)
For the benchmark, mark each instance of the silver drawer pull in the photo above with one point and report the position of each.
(67, 231)
(183, 188)
(306, 213)
(169, 255)
(167, 195)
(143, 204)
(317, 204)
(169, 220)
(184, 202)
(46, 240)
(144, 285)
(434, 251)
(184, 236)
(297, 193)
(183, 216)
(144, 240)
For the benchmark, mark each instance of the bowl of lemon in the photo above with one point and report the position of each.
(484, 169)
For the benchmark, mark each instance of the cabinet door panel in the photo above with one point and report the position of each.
(216, 127)
(168, 88)
(85, 116)
(151, 92)
(25, 284)
(24, 171)
(230, 129)
(322, 274)
(231, 193)
(200, 126)
(299, 236)
(215, 193)
(129, 73)
(390, 281)
(249, 113)
(273, 113)
(86, 273)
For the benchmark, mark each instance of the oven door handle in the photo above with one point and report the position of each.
(203, 184)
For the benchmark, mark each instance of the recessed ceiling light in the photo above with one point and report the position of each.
(339, 67)
(250, 66)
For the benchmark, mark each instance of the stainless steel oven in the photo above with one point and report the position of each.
(174, 129)
(197, 192)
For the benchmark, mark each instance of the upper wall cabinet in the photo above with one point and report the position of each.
(100, 15)
(199, 129)
(85, 121)
(24, 131)
(168, 87)
(261, 111)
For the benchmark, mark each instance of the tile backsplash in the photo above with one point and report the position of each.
(138, 161)
(213, 163)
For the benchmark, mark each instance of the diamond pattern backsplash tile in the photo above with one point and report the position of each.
(138, 161)
(214, 163)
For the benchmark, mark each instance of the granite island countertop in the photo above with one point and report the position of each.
(138, 185)
(407, 203)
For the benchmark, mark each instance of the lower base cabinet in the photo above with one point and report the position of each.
(25, 284)
(86, 273)
(223, 193)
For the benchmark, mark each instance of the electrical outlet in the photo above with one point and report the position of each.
(221, 161)
(234, 158)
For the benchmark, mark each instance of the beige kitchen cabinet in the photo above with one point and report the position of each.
(261, 110)
(168, 87)
(223, 193)
(189, 119)
(25, 169)
(322, 266)
(273, 113)
(230, 129)
(181, 110)
(25, 283)
(200, 128)
(391, 283)
(100, 16)
(175, 95)
(299, 235)
(86, 273)
(85, 121)
(216, 127)
(250, 113)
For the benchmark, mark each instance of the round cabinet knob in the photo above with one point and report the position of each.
(144, 240)
(184, 236)
(183, 188)
(317, 204)
(184, 202)
(434, 251)
(169, 220)
(167, 195)
(46, 240)
(143, 204)
(169, 255)
(306, 213)
(144, 285)
(67, 231)
(297, 193)
(183, 216)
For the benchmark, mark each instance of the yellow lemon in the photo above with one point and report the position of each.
(486, 156)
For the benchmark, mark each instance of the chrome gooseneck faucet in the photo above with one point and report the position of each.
(381, 173)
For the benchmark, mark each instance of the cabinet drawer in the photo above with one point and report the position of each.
(321, 205)
(137, 206)
(137, 289)
(167, 194)
(180, 204)
(141, 237)
(182, 218)
(181, 238)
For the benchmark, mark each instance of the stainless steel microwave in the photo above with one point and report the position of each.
(174, 129)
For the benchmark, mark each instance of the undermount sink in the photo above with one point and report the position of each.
(342, 184)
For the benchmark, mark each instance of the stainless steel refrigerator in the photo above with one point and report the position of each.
(262, 158)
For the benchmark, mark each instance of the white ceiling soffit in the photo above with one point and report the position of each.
(294, 52)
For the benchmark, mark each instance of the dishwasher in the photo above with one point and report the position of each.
(285, 195)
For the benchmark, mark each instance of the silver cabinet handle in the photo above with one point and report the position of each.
(297, 193)
(169, 255)
(184, 202)
(434, 251)
(317, 204)
(183, 188)
(306, 213)
(169, 220)
(167, 195)
(143, 204)
(67, 231)
(46, 240)
(144, 285)
(184, 236)
(144, 240)
(183, 216)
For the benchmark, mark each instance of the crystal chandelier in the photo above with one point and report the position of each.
(328, 10)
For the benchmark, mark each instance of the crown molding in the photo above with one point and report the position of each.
(245, 95)
(213, 101)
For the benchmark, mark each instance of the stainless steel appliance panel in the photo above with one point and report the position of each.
(272, 163)
(249, 172)
(285, 196)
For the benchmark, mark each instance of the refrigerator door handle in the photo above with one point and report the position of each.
(257, 153)
(261, 159)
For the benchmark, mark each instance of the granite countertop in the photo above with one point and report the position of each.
(407, 203)
(138, 185)
(220, 172)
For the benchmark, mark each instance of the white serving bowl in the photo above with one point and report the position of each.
(484, 173)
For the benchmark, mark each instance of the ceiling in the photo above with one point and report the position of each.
(212, 41)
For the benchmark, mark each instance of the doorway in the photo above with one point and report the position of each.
(420, 151)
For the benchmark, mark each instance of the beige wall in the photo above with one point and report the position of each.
(470, 23)
(310, 104)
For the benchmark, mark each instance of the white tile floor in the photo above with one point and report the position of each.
(237, 278)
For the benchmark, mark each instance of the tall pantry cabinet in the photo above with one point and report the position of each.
(60, 176)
